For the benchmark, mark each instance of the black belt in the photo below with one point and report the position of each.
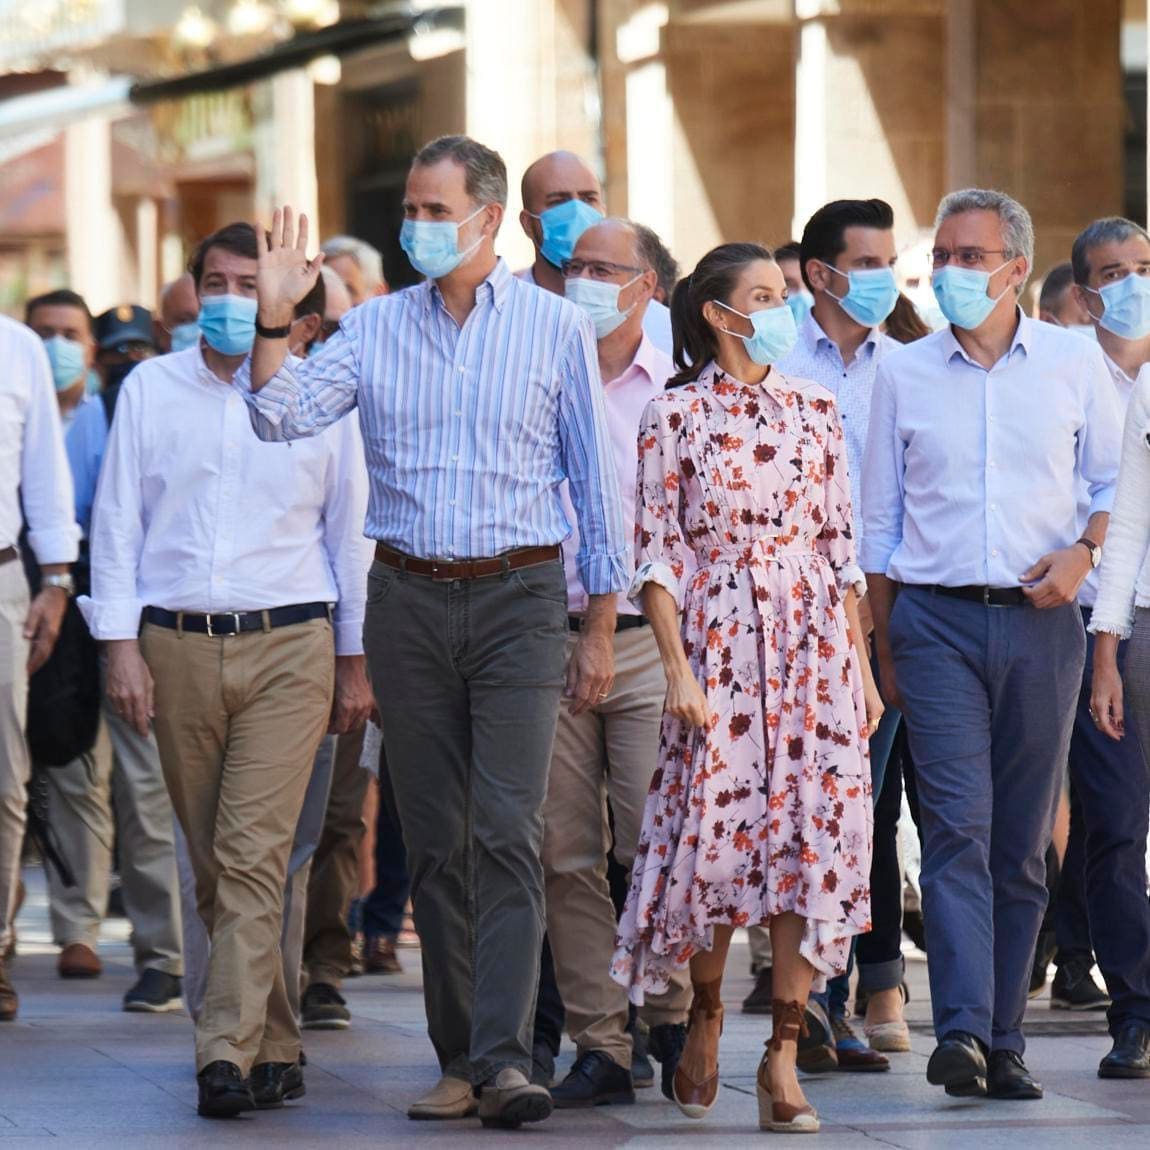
(7, 555)
(236, 622)
(987, 596)
(622, 622)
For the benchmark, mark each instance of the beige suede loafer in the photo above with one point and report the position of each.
(451, 1098)
(509, 1099)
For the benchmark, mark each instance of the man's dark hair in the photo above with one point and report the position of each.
(1054, 283)
(1110, 230)
(62, 297)
(314, 303)
(791, 250)
(238, 238)
(656, 256)
(824, 236)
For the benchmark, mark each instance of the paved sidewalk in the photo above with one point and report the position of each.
(76, 1071)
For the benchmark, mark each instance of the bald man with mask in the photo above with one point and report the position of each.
(562, 198)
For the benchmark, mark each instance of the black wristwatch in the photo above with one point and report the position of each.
(1094, 549)
(273, 332)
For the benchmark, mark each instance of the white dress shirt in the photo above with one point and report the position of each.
(816, 356)
(970, 476)
(1125, 570)
(33, 467)
(194, 513)
(625, 399)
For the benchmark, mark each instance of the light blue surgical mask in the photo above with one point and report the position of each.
(800, 303)
(563, 224)
(433, 245)
(600, 300)
(1127, 307)
(228, 323)
(774, 335)
(962, 294)
(67, 359)
(185, 335)
(871, 296)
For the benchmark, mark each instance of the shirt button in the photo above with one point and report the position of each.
(455, 459)
(462, 370)
(994, 507)
(451, 503)
(993, 464)
(458, 413)
(995, 552)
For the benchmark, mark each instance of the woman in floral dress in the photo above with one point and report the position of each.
(760, 809)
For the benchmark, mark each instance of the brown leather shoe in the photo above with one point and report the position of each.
(77, 960)
(693, 1098)
(9, 1002)
(380, 957)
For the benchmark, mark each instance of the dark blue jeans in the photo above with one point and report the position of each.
(382, 910)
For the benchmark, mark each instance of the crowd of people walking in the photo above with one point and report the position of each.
(643, 597)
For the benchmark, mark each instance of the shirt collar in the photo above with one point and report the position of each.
(1023, 335)
(1117, 374)
(729, 391)
(812, 334)
(495, 287)
(646, 360)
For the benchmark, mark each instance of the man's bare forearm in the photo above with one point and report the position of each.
(600, 617)
(882, 592)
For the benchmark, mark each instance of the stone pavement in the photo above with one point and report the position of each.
(76, 1071)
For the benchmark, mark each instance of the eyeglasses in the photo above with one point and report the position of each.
(963, 257)
(599, 269)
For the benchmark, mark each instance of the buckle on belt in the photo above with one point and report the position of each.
(986, 596)
(235, 615)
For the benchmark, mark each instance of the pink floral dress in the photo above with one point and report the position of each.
(768, 810)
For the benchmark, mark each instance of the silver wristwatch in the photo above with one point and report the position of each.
(64, 582)
(1095, 550)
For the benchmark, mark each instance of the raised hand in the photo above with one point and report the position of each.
(285, 275)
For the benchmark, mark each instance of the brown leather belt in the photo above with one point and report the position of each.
(7, 555)
(445, 571)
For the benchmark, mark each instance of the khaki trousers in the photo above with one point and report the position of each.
(14, 765)
(607, 754)
(238, 722)
(335, 868)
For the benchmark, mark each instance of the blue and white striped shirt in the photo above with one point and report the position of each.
(469, 431)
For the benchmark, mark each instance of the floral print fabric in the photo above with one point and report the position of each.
(768, 810)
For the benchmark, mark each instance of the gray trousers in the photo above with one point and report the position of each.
(989, 696)
(468, 677)
(307, 836)
(81, 800)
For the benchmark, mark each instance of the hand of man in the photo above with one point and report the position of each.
(591, 672)
(353, 702)
(285, 274)
(128, 685)
(42, 625)
(1055, 579)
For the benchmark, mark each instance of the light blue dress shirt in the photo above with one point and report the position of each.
(970, 476)
(816, 357)
(469, 431)
(85, 443)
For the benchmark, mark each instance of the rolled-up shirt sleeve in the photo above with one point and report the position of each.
(307, 395)
(117, 533)
(1128, 536)
(46, 489)
(349, 551)
(604, 559)
(882, 480)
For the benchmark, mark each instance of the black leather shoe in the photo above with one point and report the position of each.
(642, 1068)
(959, 1064)
(224, 1091)
(760, 999)
(1074, 987)
(594, 1080)
(274, 1083)
(1007, 1078)
(1130, 1056)
(665, 1044)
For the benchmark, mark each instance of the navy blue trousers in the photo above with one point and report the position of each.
(989, 697)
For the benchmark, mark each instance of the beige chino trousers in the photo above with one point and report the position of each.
(238, 722)
(607, 754)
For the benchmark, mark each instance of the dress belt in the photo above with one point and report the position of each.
(445, 571)
(987, 596)
(225, 623)
(7, 555)
(622, 622)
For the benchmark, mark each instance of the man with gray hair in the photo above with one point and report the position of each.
(983, 437)
(1104, 872)
(478, 395)
(358, 264)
